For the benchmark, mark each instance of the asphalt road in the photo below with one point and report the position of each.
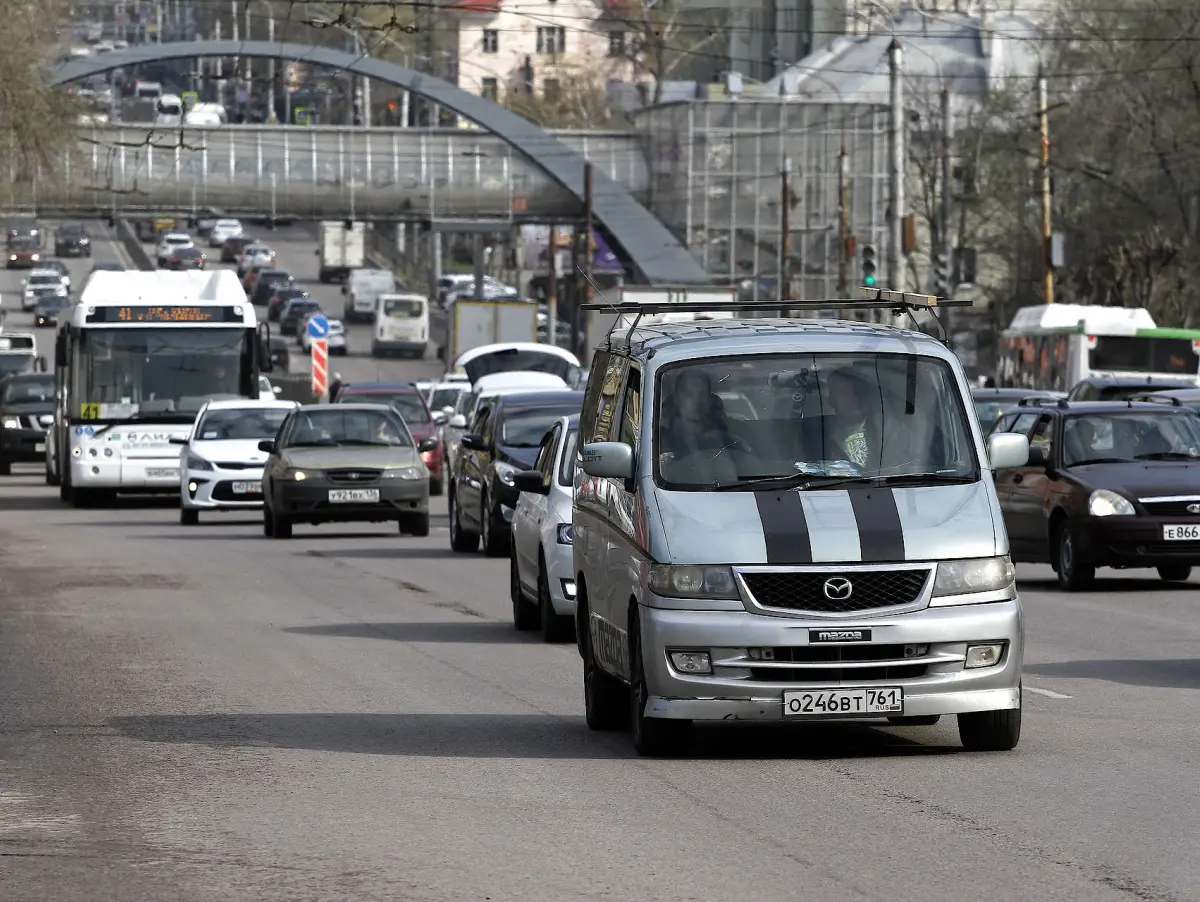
(205, 714)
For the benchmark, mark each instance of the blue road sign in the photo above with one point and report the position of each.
(318, 327)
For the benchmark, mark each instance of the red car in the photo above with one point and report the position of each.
(23, 253)
(409, 403)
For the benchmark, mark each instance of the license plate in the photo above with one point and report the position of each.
(162, 474)
(1182, 532)
(247, 488)
(40, 446)
(844, 702)
(342, 496)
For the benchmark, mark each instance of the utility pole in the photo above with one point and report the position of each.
(896, 129)
(947, 201)
(1047, 223)
(552, 287)
(580, 328)
(843, 283)
(785, 233)
(272, 71)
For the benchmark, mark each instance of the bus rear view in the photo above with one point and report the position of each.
(135, 360)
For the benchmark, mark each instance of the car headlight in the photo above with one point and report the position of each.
(976, 576)
(297, 475)
(408, 473)
(691, 581)
(566, 535)
(1104, 503)
(195, 462)
(12, 423)
(506, 473)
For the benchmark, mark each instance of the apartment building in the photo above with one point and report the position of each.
(533, 45)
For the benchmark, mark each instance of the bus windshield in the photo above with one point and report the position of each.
(1144, 354)
(120, 373)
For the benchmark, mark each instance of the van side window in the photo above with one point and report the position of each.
(605, 425)
(591, 394)
(631, 410)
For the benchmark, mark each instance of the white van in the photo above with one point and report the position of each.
(148, 90)
(401, 326)
(169, 111)
(363, 290)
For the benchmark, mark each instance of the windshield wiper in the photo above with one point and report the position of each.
(363, 441)
(800, 481)
(163, 417)
(1100, 460)
(327, 443)
(1168, 455)
(923, 479)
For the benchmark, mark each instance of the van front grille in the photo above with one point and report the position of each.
(818, 591)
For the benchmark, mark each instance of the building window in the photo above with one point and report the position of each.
(551, 39)
(551, 90)
(490, 90)
(616, 43)
(491, 40)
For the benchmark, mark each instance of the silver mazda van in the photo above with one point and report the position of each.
(796, 521)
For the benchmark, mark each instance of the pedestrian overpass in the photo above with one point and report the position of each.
(507, 171)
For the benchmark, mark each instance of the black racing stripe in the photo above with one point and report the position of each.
(880, 535)
(784, 527)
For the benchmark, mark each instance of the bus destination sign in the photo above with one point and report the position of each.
(174, 315)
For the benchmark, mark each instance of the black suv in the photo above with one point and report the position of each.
(1121, 388)
(1108, 484)
(26, 412)
(502, 440)
(269, 281)
(72, 241)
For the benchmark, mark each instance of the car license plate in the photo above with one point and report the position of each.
(342, 496)
(247, 488)
(162, 474)
(40, 446)
(887, 700)
(1182, 532)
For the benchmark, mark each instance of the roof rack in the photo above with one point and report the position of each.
(1035, 401)
(899, 302)
(1154, 398)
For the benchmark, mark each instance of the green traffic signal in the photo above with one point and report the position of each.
(869, 281)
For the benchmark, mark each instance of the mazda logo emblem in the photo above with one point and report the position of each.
(1193, 508)
(838, 589)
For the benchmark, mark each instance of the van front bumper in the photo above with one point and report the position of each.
(745, 688)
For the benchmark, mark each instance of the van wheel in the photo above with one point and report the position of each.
(461, 540)
(1174, 573)
(524, 613)
(1073, 576)
(990, 731)
(653, 737)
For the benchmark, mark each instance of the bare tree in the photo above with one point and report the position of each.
(664, 39)
(574, 98)
(35, 119)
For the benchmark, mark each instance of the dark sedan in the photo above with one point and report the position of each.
(190, 257)
(50, 304)
(279, 300)
(26, 412)
(294, 313)
(407, 401)
(503, 440)
(231, 250)
(281, 357)
(1108, 484)
(344, 464)
(1122, 388)
(269, 280)
(991, 402)
(23, 253)
(72, 241)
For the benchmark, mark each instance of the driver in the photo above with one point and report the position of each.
(855, 432)
(695, 432)
(385, 431)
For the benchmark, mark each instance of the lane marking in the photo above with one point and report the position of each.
(1046, 692)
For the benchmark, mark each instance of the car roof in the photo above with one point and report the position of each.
(1187, 394)
(671, 342)
(1134, 381)
(382, 386)
(1093, 407)
(1001, 393)
(343, 408)
(457, 386)
(250, 403)
(537, 398)
(169, 235)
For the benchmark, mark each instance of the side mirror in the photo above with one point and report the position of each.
(531, 481)
(267, 446)
(277, 389)
(176, 440)
(447, 411)
(1006, 451)
(608, 460)
(458, 421)
(473, 442)
(427, 444)
(439, 419)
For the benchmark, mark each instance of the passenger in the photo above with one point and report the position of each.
(856, 434)
(385, 431)
(1081, 440)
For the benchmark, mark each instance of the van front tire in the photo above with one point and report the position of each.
(990, 731)
(653, 737)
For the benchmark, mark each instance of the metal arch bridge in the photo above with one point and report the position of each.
(634, 233)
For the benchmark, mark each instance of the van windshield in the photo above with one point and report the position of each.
(403, 309)
(764, 421)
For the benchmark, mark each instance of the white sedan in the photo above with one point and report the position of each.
(223, 230)
(541, 568)
(336, 337)
(170, 243)
(220, 463)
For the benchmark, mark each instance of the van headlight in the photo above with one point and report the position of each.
(1104, 503)
(973, 577)
(692, 581)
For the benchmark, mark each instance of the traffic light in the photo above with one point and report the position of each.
(869, 278)
(942, 286)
